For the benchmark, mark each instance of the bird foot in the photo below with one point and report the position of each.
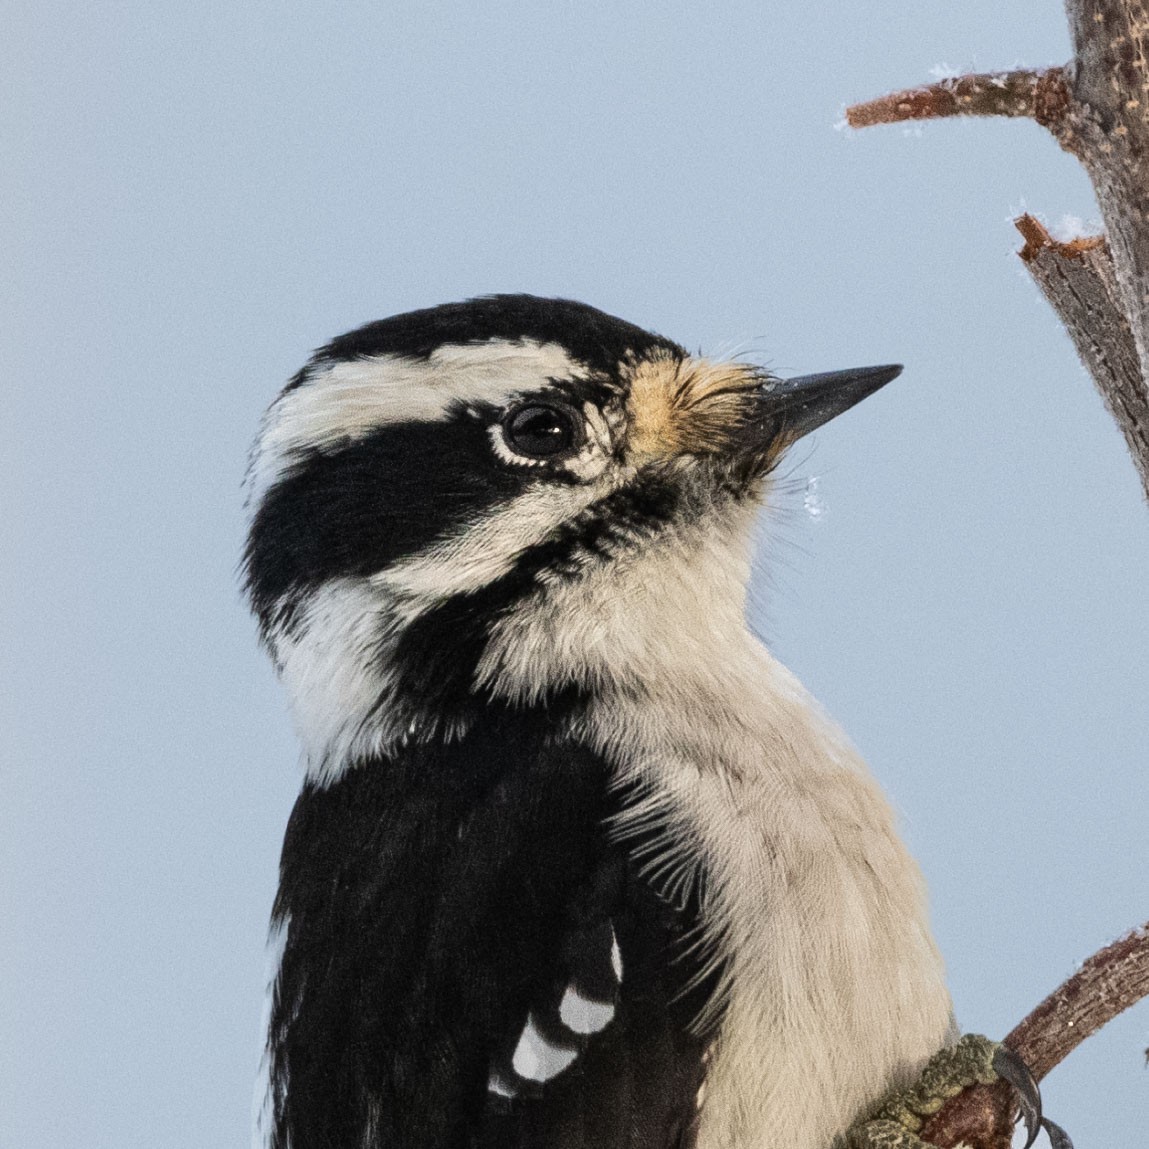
(974, 1060)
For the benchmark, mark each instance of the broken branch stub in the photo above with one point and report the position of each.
(1079, 281)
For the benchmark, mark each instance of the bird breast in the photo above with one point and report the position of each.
(834, 990)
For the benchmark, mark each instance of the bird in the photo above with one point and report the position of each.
(576, 861)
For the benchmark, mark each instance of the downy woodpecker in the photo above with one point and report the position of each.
(576, 863)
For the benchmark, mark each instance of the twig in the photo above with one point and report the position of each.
(1107, 984)
(1036, 95)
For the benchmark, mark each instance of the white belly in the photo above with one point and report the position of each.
(836, 991)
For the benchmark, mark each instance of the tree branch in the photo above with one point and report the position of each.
(1107, 127)
(1107, 984)
(1041, 96)
(1098, 109)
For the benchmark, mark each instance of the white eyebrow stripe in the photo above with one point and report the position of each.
(332, 681)
(347, 400)
(581, 1015)
(537, 1059)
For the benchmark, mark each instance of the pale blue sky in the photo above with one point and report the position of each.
(196, 194)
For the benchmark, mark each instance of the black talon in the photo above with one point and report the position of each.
(1008, 1066)
(1058, 1138)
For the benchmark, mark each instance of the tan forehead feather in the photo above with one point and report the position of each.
(685, 405)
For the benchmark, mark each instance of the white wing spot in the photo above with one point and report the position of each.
(499, 1087)
(615, 957)
(581, 1015)
(537, 1059)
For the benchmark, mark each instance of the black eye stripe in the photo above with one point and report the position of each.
(379, 499)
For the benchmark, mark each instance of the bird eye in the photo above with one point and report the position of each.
(540, 431)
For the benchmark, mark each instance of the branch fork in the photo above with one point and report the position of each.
(1097, 107)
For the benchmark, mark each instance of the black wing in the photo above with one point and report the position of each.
(472, 962)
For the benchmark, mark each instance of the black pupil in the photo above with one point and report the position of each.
(540, 431)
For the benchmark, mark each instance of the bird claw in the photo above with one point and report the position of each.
(1010, 1067)
(1058, 1138)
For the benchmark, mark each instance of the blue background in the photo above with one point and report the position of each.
(198, 194)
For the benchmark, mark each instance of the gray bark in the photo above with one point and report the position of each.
(1080, 282)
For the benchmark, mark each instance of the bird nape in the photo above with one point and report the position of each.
(576, 863)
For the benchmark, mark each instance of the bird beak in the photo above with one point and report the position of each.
(798, 406)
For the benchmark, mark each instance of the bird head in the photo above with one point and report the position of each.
(509, 498)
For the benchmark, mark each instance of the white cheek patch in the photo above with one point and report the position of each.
(333, 660)
(581, 1015)
(330, 664)
(537, 1059)
(669, 605)
(345, 401)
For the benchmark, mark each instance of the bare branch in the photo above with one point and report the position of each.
(1098, 109)
(1035, 95)
(1078, 280)
(1107, 984)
